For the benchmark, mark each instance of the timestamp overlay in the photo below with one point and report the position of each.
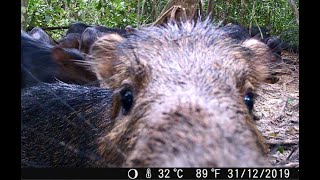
(160, 173)
(215, 173)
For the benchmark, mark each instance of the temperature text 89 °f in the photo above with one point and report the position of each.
(203, 173)
(165, 173)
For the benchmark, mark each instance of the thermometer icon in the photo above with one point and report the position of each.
(148, 175)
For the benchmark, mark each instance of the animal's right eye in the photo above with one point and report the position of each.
(126, 100)
(249, 101)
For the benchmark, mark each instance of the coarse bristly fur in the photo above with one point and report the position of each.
(188, 81)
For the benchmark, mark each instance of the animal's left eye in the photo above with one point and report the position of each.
(126, 100)
(249, 101)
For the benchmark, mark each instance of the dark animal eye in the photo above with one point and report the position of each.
(248, 100)
(126, 100)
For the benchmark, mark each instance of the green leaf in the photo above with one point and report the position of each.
(47, 18)
(273, 134)
(290, 100)
(79, 13)
(280, 149)
(98, 7)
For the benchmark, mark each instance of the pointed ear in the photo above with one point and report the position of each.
(59, 55)
(105, 55)
(72, 65)
(63, 56)
(71, 40)
(261, 59)
(88, 37)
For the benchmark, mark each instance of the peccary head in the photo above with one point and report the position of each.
(178, 96)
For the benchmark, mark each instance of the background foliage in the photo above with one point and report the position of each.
(274, 14)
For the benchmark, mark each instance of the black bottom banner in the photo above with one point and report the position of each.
(161, 173)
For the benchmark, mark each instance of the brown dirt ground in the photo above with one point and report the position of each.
(277, 109)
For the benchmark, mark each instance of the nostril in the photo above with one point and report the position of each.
(178, 114)
(175, 151)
